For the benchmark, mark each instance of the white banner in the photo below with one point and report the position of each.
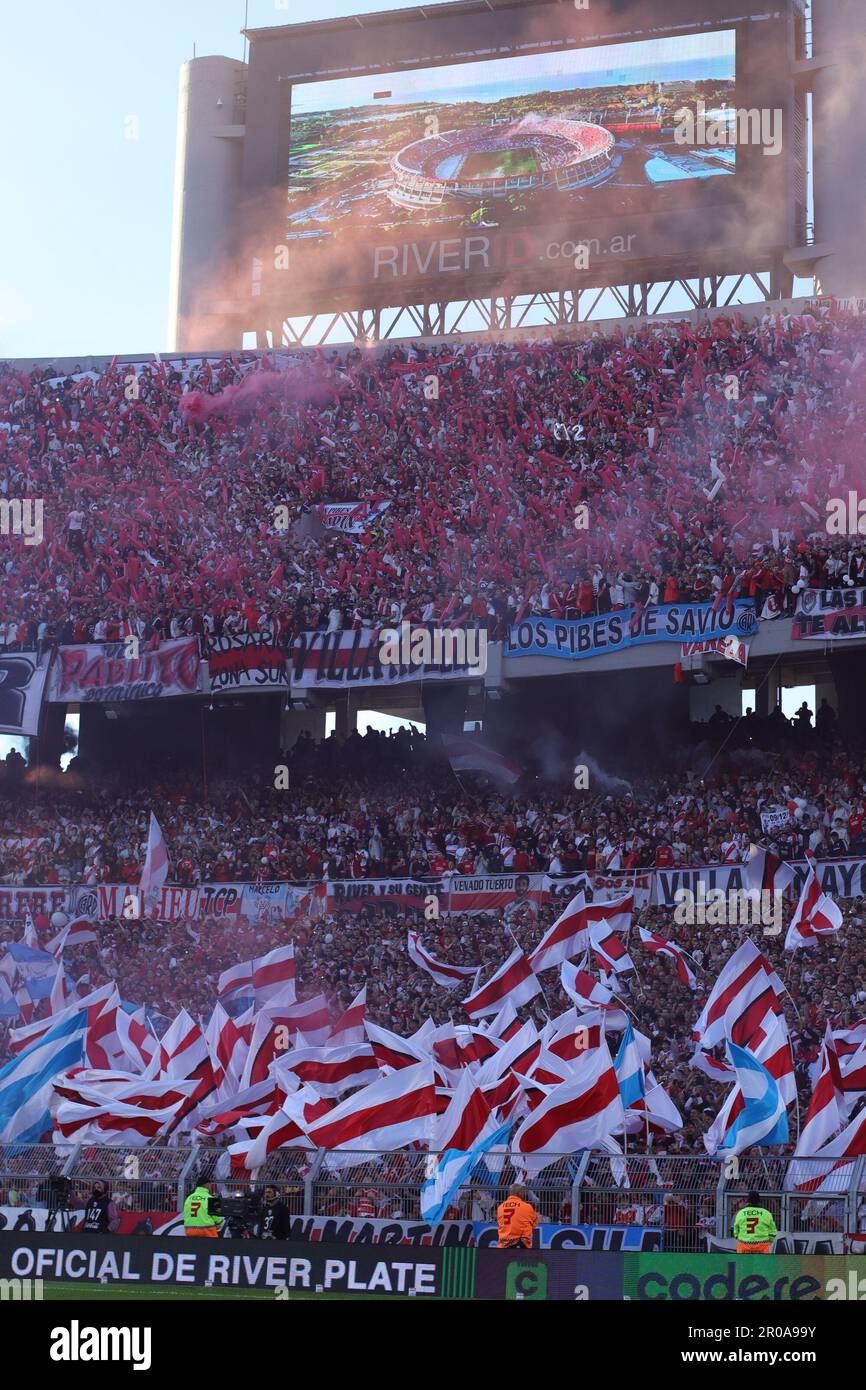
(774, 820)
(731, 648)
(22, 687)
(352, 517)
(99, 672)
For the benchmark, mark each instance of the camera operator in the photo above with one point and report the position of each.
(101, 1216)
(201, 1213)
(273, 1217)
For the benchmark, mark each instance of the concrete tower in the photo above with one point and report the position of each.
(207, 181)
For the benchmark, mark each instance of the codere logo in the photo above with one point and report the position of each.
(526, 1279)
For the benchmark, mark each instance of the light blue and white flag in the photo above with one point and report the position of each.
(629, 1069)
(25, 1083)
(764, 1118)
(452, 1171)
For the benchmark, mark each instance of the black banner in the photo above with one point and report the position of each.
(235, 1264)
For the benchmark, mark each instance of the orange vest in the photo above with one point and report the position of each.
(516, 1220)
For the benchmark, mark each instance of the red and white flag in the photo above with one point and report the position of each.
(136, 1039)
(394, 1111)
(448, 976)
(349, 1028)
(275, 1029)
(467, 1119)
(287, 1129)
(835, 1175)
(456, 1046)
(827, 1112)
(228, 1050)
(274, 976)
(577, 1114)
(505, 1024)
(567, 937)
(263, 979)
(154, 871)
(609, 949)
(815, 915)
(588, 993)
(514, 981)
(853, 1069)
(331, 1071)
(766, 872)
(746, 991)
(21, 1038)
(849, 1040)
(114, 1122)
(392, 1052)
(658, 945)
(76, 933)
(573, 1032)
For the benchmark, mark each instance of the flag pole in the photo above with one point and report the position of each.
(537, 976)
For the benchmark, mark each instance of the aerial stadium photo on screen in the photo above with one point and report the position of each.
(508, 140)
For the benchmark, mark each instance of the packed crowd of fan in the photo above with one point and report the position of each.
(390, 807)
(161, 486)
(418, 827)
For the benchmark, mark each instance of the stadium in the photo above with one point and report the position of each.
(494, 161)
(433, 763)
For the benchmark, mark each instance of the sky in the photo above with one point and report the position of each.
(599, 66)
(86, 230)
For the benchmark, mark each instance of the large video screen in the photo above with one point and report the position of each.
(601, 131)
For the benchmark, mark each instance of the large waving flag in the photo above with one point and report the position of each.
(771, 1046)
(467, 754)
(746, 991)
(578, 1114)
(448, 976)
(332, 1070)
(154, 870)
(287, 1129)
(453, 1170)
(467, 1118)
(26, 1083)
(827, 1113)
(815, 915)
(836, 1173)
(568, 936)
(395, 1111)
(392, 1052)
(763, 1119)
(514, 981)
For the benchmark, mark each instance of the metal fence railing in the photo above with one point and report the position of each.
(685, 1197)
